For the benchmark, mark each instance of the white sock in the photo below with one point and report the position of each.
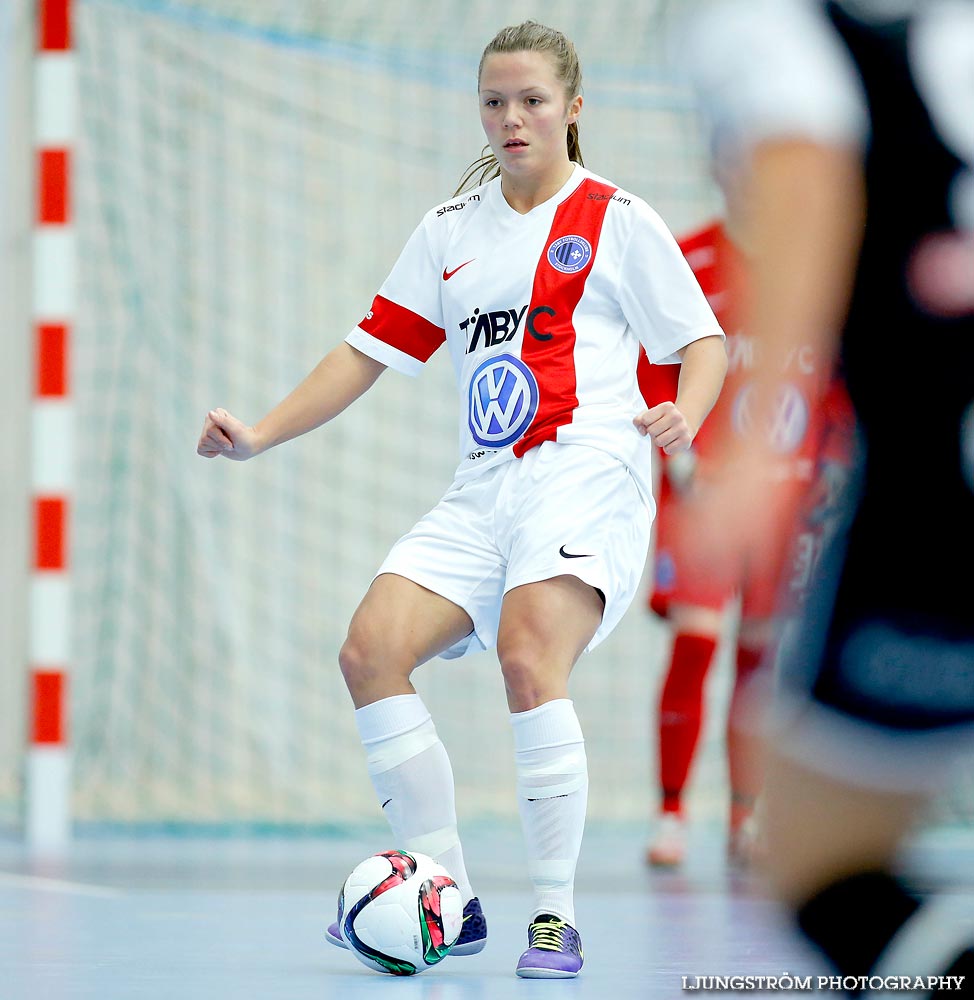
(413, 779)
(552, 793)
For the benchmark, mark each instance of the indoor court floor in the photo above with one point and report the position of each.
(221, 918)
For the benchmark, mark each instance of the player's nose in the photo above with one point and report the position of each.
(512, 118)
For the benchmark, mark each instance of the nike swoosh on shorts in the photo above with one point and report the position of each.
(574, 555)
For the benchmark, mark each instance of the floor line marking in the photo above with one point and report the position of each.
(40, 883)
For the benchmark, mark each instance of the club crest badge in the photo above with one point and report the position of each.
(569, 254)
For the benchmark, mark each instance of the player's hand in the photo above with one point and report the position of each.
(223, 434)
(740, 516)
(667, 426)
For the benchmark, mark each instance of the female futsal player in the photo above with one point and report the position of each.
(543, 280)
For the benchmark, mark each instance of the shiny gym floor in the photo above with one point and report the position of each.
(188, 919)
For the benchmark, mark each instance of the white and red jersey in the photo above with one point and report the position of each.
(543, 314)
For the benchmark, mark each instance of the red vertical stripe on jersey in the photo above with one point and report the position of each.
(53, 194)
(54, 22)
(51, 360)
(47, 707)
(553, 360)
(50, 532)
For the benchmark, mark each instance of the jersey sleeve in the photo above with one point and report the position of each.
(404, 326)
(657, 383)
(660, 297)
(769, 69)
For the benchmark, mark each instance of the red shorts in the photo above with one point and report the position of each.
(762, 588)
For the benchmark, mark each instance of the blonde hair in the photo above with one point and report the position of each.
(529, 36)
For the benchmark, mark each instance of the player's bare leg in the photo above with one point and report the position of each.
(544, 627)
(398, 626)
(803, 810)
(832, 854)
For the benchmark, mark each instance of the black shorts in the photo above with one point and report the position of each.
(883, 651)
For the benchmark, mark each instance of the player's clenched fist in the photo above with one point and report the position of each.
(223, 434)
(667, 426)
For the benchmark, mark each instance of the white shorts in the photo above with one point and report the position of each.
(561, 509)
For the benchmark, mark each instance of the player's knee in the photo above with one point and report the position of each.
(363, 662)
(353, 660)
(525, 677)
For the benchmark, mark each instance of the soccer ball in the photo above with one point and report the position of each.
(400, 912)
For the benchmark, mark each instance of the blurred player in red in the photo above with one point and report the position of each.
(694, 599)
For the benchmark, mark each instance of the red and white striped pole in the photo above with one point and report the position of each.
(48, 777)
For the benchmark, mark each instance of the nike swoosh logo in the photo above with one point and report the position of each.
(387, 801)
(449, 274)
(574, 555)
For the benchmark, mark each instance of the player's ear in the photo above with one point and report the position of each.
(574, 109)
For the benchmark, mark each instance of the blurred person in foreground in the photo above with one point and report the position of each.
(852, 126)
(748, 605)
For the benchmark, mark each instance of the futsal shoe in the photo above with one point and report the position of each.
(554, 950)
(473, 933)
(669, 847)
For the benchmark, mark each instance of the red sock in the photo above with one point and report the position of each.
(681, 712)
(744, 737)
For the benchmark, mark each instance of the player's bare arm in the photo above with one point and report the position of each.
(338, 380)
(673, 425)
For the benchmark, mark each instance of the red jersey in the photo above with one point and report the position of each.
(720, 271)
(805, 431)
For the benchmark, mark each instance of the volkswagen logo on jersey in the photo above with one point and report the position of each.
(503, 401)
(569, 254)
(788, 422)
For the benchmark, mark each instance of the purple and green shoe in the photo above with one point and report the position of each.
(554, 950)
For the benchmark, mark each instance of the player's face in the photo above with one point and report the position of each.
(524, 112)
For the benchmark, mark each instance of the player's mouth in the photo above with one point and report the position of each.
(515, 144)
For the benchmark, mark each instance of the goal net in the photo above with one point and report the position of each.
(249, 172)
